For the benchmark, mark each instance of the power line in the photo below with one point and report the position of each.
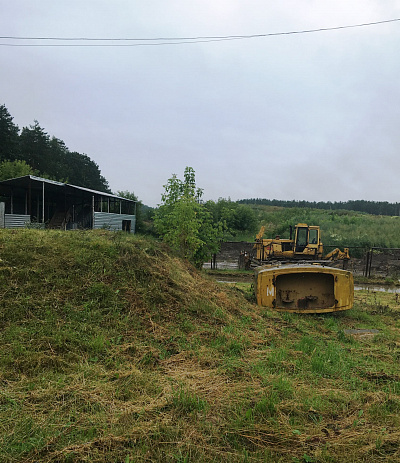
(168, 40)
(149, 42)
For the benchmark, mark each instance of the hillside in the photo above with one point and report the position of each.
(113, 350)
(369, 207)
(339, 228)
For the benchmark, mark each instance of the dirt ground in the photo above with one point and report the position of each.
(384, 264)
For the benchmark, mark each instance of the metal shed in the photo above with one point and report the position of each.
(29, 199)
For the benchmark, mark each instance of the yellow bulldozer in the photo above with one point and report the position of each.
(304, 244)
(304, 288)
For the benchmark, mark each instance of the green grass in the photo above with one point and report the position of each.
(113, 350)
(338, 228)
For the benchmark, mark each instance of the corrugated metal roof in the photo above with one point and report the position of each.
(110, 195)
(40, 179)
(23, 182)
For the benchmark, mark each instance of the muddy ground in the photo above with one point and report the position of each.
(384, 264)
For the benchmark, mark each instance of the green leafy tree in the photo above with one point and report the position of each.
(244, 218)
(128, 195)
(238, 218)
(184, 223)
(9, 138)
(48, 156)
(87, 173)
(52, 159)
(14, 169)
(35, 148)
(60, 165)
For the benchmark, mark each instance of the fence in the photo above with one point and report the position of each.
(383, 262)
(379, 262)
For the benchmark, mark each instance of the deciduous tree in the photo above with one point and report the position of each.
(14, 169)
(183, 221)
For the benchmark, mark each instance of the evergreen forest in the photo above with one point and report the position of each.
(360, 205)
(33, 151)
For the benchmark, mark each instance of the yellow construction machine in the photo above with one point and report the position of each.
(304, 288)
(305, 244)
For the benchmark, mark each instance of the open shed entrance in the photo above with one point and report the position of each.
(53, 204)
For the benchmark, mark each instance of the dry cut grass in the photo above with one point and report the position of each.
(115, 351)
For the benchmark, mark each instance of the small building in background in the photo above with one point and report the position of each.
(33, 200)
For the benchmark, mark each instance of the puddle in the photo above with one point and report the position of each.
(222, 265)
(363, 331)
(375, 288)
(369, 288)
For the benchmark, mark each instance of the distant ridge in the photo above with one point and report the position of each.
(369, 207)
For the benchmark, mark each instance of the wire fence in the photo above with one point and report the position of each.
(373, 262)
(382, 262)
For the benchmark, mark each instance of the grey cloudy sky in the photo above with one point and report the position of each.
(306, 116)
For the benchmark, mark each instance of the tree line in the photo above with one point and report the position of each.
(33, 151)
(369, 207)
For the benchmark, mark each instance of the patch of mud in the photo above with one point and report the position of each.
(228, 257)
(384, 264)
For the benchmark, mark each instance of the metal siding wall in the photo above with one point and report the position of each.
(16, 220)
(2, 210)
(113, 221)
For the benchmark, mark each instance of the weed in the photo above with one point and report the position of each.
(185, 401)
(266, 407)
(283, 387)
(234, 348)
(307, 344)
(329, 361)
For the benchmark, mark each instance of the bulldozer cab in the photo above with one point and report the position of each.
(305, 244)
(301, 239)
(307, 239)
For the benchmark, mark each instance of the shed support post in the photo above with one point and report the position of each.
(43, 203)
(30, 197)
(65, 211)
(366, 264)
(12, 201)
(370, 263)
(92, 212)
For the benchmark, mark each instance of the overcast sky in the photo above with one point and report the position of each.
(312, 116)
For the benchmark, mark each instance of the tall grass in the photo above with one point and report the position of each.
(338, 228)
(113, 350)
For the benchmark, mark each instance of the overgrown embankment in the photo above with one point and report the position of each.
(114, 350)
(340, 228)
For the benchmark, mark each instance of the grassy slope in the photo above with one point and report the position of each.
(114, 351)
(338, 228)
